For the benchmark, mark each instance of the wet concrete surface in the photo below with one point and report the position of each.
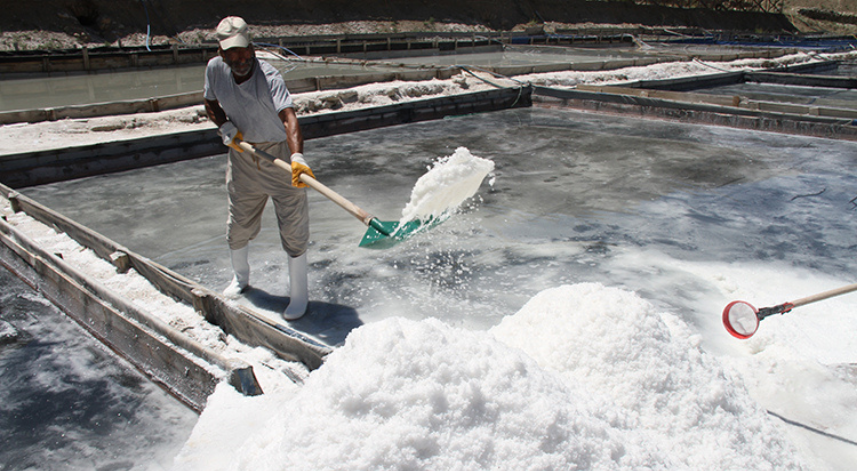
(69, 402)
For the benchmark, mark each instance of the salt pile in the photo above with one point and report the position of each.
(669, 393)
(450, 181)
(582, 377)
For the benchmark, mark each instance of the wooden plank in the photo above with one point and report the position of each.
(257, 330)
(186, 378)
(126, 307)
(245, 325)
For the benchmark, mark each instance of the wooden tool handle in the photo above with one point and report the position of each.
(345, 204)
(824, 295)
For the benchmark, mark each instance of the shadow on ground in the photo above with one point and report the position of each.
(326, 322)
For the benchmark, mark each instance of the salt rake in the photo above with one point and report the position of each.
(379, 234)
(741, 319)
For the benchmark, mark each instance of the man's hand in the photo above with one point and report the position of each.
(231, 135)
(299, 166)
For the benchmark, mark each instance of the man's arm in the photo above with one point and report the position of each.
(215, 112)
(295, 139)
(229, 132)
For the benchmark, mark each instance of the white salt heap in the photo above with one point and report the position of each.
(449, 182)
(582, 377)
(650, 367)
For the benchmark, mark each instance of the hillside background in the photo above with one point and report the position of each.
(72, 23)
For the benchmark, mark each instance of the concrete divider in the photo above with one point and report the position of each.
(785, 78)
(188, 375)
(40, 167)
(730, 78)
(34, 168)
(182, 100)
(86, 60)
(145, 105)
(241, 322)
(735, 101)
(704, 113)
(186, 368)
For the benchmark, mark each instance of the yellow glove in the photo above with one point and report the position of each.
(299, 166)
(234, 144)
(231, 135)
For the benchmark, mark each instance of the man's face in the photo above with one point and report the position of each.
(240, 60)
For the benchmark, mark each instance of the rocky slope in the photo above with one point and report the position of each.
(58, 24)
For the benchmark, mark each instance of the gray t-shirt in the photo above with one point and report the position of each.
(254, 105)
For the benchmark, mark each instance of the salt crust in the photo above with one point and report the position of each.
(132, 286)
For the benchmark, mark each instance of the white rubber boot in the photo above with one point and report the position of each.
(241, 270)
(297, 288)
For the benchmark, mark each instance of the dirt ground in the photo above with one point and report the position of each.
(66, 24)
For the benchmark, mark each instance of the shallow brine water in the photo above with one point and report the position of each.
(686, 216)
(68, 402)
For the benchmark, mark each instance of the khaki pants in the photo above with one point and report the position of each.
(249, 183)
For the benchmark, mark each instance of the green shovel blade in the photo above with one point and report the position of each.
(385, 234)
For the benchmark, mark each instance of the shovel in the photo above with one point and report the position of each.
(379, 234)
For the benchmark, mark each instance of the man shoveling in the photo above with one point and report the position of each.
(248, 100)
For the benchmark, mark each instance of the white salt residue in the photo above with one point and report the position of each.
(230, 419)
(385, 93)
(649, 365)
(598, 381)
(666, 70)
(7, 332)
(137, 289)
(449, 182)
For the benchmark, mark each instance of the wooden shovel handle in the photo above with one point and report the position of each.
(345, 204)
(824, 295)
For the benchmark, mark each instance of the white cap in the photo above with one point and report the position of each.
(233, 32)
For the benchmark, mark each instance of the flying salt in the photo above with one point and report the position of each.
(450, 181)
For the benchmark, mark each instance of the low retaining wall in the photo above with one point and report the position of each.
(87, 60)
(184, 367)
(670, 99)
(187, 370)
(36, 168)
(701, 113)
(182, 100)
